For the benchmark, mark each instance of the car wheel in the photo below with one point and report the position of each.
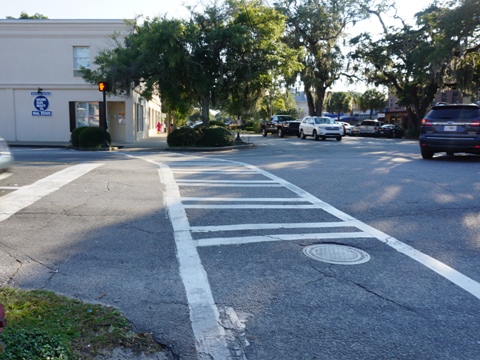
(280, 132)
(264, 132)
(339, 138)
(427, 154)
(315, 136)
(302, 135)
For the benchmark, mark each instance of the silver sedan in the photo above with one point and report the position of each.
(6, 158)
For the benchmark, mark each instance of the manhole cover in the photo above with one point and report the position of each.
(336, 254)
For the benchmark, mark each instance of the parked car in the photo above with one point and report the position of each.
(320, 127)
(6, 158)
(391, 131)
(356, 129)
(370, 127)
(281, 125)
(346, 126)
(451, 128)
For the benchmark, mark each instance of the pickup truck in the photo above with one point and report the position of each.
(281, 125)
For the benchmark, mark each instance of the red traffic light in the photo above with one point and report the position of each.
(103, 86)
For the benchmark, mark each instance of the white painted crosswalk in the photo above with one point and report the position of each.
(180, 175)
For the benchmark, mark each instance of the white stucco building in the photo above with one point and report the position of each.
(42, 94)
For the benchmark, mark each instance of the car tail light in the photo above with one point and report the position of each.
(475, 123)
(426, 122)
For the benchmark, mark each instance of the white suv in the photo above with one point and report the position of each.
(370, 127)
(320, 127)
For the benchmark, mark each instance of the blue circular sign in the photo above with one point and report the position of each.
(40, 103)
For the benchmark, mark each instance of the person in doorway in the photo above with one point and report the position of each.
(159, 127)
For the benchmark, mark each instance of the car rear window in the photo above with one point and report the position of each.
(286, 118)
(455, 114)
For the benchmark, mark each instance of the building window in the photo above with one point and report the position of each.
(81, 59)
(87, 114)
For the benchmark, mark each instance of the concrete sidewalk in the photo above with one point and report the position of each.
(153, 143)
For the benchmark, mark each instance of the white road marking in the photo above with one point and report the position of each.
(251, 206)
(27, 195)
(180, 183)
(239, 227)
(227, 181)
(204, 315)
(242, 199)
(210, 336)
(5, 175)
(280, 237)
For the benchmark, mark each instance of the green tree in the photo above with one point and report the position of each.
(338, 102)
(401, 60)
(458, 32)
(371, 100)
(221, 56)
(255, 55)
(415, 62)
(320, 37)
(24, 15)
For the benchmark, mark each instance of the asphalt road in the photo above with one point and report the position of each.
(208, 251)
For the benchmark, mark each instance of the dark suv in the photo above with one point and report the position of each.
(281, 125)
(451, 128)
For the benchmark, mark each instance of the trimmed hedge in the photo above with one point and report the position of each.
(88, 137)
(74, 137)
(216, 136)
(213, 136)
(185, 136)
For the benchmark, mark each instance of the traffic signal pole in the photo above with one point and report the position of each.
(104, 87)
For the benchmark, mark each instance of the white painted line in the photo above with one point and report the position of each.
(228, 181)
(27, 195)
(5, 175)
(10, 187)
(209, 335)
(243, 199)
(463, 281)
(254, 206)
(179, 183)
(279, 237)
(239, 227)
(466, 283)
(215, 171)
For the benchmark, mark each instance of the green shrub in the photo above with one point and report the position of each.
(216, 136)
(185, 136)
(34, 344)
(92, 137)
(217, 123)
(75, 135)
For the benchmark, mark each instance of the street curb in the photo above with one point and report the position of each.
(218, 148)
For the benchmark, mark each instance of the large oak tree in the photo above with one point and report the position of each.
(222, 55)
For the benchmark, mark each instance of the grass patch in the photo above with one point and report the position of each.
(43, 325)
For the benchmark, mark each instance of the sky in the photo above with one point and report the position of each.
(129, 9)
